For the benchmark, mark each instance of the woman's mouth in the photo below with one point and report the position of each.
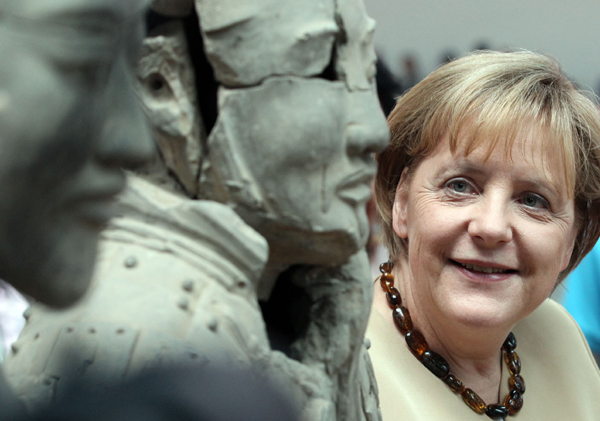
(483, 269)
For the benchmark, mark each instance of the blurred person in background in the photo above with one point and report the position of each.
(410, 73)
(581, 298)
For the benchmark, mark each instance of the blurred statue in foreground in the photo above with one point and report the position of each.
(69, 120)
(284, 174)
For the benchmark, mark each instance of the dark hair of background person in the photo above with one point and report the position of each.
(388, 87)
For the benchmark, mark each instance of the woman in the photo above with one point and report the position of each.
(489, 196)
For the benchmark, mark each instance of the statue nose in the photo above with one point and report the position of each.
(126, 139)
(368, 131)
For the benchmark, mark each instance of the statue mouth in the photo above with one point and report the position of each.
(96, 211)
(97, 204)
(356, 189)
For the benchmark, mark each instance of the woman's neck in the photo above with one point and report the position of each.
(474, 354)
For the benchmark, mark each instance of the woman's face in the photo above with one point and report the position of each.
(69, 121)
(487, 238)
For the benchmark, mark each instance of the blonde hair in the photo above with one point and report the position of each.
(497, 94)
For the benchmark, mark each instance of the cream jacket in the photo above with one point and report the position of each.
(562, 379)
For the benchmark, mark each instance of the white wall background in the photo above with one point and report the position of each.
(568, 30)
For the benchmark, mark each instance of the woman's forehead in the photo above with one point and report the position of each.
(530, 143)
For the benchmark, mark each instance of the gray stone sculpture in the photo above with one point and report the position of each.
(168, 93)
(172, 273)
(69, 121)
(172, 278)
(291, 153)
(310, 176)
(302, 184)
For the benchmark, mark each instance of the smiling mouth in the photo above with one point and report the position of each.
(483, 269)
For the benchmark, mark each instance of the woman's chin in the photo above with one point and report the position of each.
(480, 313)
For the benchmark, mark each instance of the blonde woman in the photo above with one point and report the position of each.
(489, 194)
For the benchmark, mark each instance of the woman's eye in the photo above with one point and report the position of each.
(459, 186)
(535, 201)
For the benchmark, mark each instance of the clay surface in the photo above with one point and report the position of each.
(167, 90)
(249, 41)
(173, 277)
(355, 58)
(269, 270)
(174, 8)
(69, 121)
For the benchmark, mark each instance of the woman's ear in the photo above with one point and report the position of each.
(400, 204)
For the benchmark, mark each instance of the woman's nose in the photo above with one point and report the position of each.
(490, 223)
(126, 139)
(368, 131)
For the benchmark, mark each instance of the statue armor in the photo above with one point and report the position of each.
(190, 268)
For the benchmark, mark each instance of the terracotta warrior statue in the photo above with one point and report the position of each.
(267, 269)
(69, 121)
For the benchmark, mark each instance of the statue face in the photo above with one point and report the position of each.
(69, 121)
(167, 90)
(294, 155)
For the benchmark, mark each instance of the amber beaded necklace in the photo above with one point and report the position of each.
(440, 367)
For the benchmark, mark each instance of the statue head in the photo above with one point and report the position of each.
(299, 122)
(69, 121)
(166, 87)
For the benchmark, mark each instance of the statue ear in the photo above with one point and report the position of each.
(399, 222)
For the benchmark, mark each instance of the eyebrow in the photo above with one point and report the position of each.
(462, 166)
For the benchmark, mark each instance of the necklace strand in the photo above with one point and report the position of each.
(440, 367)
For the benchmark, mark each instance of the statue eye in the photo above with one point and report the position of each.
(157, 84)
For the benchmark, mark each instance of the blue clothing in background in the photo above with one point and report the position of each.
(582, 297)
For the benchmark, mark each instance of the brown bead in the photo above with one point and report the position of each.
(454, 383)
(393, 297)
(514, 402)
(436, 364)
(402, 319)
(386, 281)
(386, 284)
(510, 343)
(386, 267)
(496, 411)
(512, 362)
(387, 276)
(417, 343)
(517, 382)
(474, 402)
